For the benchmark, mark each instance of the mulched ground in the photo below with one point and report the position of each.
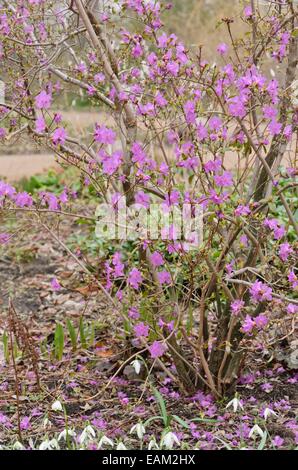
(80, 379)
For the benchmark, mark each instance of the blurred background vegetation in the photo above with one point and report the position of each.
(198, 22)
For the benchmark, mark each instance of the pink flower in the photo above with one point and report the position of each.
(293, 279)
(43, 100)
(248, 324)
(157, 349)
(292, 308)
(274, 127)
(260, 292)
(55, 284)
(267, 387)
(160, 100)
(99, 78)
(269, 112)
(247, 11)
(25, 423)
(164, 277)
(138, 153)
(104, 135)
(242, 210)
(135, 278)
(213, 165)
(222, 48)
(224, 180)
(215, 123)
(141, 330)
(173, 68)
(172, 198)
(190, 112)
(111, 163)
(4, 238)
(261, 321)
(142, 199)
(133, 313)
(278, 441)
(285, 250)
(59, 136)
(40, 125)
(237, 306)
(157, 259)
(23, 200)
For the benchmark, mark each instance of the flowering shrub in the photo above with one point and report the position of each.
(172, 129)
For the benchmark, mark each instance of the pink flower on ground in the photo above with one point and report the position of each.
(4, 238)
(157, 349)
(135, 278)
(55, 284)
(278, 441)
(25, 423)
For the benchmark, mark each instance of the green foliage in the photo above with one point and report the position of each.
(5, 346)
(72, 334)
(59, 341)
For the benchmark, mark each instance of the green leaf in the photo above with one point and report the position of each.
(263, 441)
(82, 334)
(162, 406)
(72, 334)
(5, 346)
(59, 341)
(181, 421)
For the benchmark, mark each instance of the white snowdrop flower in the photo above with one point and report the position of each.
(153, 445)
(235, 403)
(121, 446)
(256, 430)
(169, 439)
(136, 364)
(268, 412)
(87, 434)
(105, 441)
(139, 430)
(18, 446)
(65, 433)
(57, 406)
(47, 423)
(49, 445)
